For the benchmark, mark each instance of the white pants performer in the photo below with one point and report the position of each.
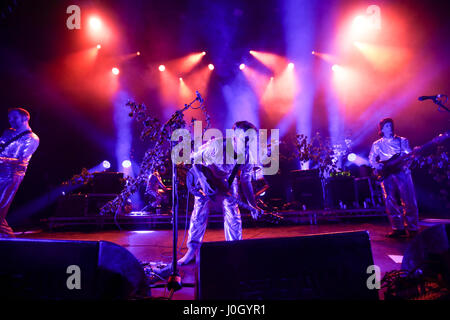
(199, 218)
(405, 216)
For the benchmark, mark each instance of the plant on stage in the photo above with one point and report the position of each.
(158, 135)
(318, 151)
(438, 166)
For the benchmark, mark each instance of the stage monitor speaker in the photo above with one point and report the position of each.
(68, 270)
(430, 244)
(326, 266)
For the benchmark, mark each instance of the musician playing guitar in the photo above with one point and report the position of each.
(231, 174)
(404, 218)
(17, 145)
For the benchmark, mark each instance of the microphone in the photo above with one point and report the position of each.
(430, 97)
(199, 97)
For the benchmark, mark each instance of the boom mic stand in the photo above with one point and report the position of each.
(174, 282)
(441, 105)
(438, 102)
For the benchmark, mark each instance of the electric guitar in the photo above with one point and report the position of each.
(220, 187)
(396, 163)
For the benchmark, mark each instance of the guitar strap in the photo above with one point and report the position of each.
(4, 145)
(234, 173)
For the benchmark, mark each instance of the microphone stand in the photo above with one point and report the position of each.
(440, 104)
(174, 281)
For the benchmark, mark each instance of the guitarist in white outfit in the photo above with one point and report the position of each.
(404, 217)
(17, 145)
(221, 171)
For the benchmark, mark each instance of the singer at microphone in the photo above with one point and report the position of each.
(422, 98)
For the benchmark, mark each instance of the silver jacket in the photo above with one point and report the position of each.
(16, 156)
(384, 149)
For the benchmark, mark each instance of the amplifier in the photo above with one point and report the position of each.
(72, 205)
(340, 192)
(108, 182)
(307, 189)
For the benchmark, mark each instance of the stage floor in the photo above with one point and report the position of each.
(156, 245)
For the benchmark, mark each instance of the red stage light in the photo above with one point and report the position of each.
(162, 68)
(138, 53)
(211, 66)
(99, 46)
(359, 23)
(242, 66)
(290, 66)
(95, 23)
(115, 71)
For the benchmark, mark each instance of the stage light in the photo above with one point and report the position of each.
(106, 164)
(95, 23)
(138, 53)
(162, 68)
(181, 79)
(99, 46)
(271, 78)
(313, 52)
(359, 23)
(115, 71)
(203, 53)
(211, 66)
(242, 66)
(126, 163)
(290, 66)
(351, 157)
(273, 61)
(335, 67)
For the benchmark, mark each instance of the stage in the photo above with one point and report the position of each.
(156, 245)
(316, 125)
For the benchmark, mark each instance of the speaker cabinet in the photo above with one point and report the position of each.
(340, 193)
(61, 270)
(326, 266)
(307, 189)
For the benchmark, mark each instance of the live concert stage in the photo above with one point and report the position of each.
(224, 150)
(154, 247)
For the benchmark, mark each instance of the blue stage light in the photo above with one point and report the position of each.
(126, 163)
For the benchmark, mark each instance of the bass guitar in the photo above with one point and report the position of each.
(397, 162)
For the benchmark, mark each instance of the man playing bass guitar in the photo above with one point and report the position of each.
(403, 218)
(229, 173)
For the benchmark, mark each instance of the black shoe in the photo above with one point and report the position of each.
(397, 234)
